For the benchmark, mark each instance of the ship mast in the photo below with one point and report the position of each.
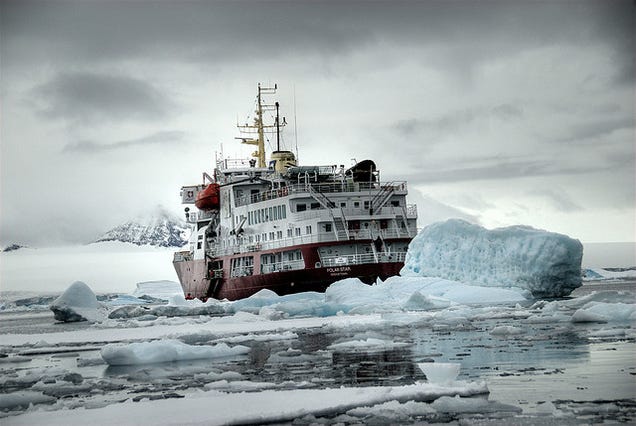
(258, 128)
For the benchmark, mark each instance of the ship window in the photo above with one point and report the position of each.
(242, 266)
(284, 211)
(308, 229)
(343, 204)
(315, 206)
(301, 207)
(279, 235)
(289, 232)
(264, 236)
(270, 216)
(356, 204)
(199, 245)
(280, 212)
(327, 227)
(271, 236)
(395, 203)
(366, 205)
(298, 232)
(275, 213)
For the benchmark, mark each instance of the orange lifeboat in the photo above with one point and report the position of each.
(209, 198)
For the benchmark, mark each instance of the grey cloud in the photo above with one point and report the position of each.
(173, 137)
(456, 120)
(558, 199)
(592, 130)
(86, 96)
(461, 32)
(480, 169)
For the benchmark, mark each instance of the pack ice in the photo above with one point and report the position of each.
(545, 263)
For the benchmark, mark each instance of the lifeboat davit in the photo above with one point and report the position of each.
(208, 199)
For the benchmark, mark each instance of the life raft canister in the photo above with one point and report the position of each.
(209, 198)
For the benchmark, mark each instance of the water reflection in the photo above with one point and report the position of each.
(390, 366)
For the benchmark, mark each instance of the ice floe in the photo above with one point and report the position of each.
(213, 407)
(167, 350)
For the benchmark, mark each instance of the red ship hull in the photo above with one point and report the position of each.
(197, 283)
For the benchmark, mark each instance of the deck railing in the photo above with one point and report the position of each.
(357, 259)
(354, 235)
(325, 188)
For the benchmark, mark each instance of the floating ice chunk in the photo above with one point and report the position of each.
(547, 408)
(423, 302)
(22, 400)
(546, 264)
(440, 372)
(605, 332)
(165, 351)
(506, 330)
(604, 312)
(78, 303)
(457, 405)
(369, 343)
(394, 411)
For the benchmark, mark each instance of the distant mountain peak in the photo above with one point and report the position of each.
(158, 227)
(13, 247)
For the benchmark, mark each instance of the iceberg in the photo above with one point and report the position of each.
(544, 263)
(78, 303)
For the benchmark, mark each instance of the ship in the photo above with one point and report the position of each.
(270, 223)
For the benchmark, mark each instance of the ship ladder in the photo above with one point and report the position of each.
(382, 197)
(339, 224)
(321, 198)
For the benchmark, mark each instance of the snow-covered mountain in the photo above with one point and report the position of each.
(13, 247)
(158, 228)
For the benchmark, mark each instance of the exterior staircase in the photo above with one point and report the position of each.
(382, 197)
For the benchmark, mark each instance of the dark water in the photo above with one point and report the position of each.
(557, 372)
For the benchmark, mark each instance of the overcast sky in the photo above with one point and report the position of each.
(501, 112)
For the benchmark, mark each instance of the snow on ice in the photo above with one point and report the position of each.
(267, 406)
(545, 263)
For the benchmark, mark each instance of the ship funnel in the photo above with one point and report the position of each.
(282, 160)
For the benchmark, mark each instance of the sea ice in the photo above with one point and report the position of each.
(78, 303)
(267, 406)
(545, 263)
(163, 289)
(167, 350)
(22, 400)
(440, 372)
(604, 312)
(447, 404)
